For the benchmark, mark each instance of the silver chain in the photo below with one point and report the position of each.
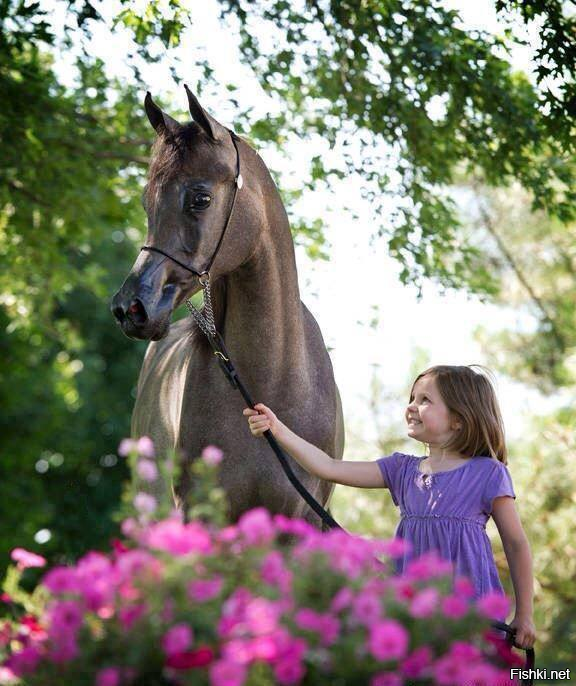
(205, 318)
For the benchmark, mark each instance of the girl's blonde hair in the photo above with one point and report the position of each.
(470, 397)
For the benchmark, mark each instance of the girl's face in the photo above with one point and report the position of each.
(428, 418)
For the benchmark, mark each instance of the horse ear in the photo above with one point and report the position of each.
(161, 122)
(213, 128)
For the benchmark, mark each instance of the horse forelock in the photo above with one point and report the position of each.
(169, 153)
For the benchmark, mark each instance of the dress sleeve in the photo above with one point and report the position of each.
(499, 483)
(391, 471)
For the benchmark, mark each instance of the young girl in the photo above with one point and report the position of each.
(445, 498)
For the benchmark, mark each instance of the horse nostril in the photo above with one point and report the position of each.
(118, 313)
(137, 312)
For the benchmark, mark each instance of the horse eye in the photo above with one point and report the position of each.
(199, 201)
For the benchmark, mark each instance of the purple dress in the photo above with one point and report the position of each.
(447, 512)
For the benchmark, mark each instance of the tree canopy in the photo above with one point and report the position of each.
(408, 97)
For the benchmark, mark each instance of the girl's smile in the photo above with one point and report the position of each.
(428, 418)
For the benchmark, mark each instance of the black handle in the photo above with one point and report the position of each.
(530, 655)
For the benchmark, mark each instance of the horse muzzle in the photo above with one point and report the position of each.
(143, 318)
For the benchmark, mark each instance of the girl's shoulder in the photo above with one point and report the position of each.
(493, 464)
(489, 470)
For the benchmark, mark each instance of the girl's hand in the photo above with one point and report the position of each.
(261, 420)
(525, 631)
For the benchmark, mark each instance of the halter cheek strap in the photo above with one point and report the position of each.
(238, 183)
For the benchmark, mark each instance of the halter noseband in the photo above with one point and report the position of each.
(238, 183)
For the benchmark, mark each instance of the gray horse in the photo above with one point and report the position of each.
(184, 401)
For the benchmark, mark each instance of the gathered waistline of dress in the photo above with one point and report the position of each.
(438, 517)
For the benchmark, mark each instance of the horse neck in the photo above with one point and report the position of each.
(261, 312)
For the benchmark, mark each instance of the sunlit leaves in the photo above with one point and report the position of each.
(407, 77)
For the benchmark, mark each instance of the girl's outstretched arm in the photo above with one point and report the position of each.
(517, 549)
(316, 461)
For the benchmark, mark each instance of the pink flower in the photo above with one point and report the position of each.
(342, 599)
(329, 629)
(256, 526)
(466, 651)
(493, 605)
(463, 587)
(428, 566)
(264, 648)
(145, 447)
(395, 547)
(62, 580)
(228, 534)
(413, 666)
(388, 640)
(386, 679)
(65, 649)
(212, 455)
(177, 639)
(233, 612)
(191, 659)
(483, 674)
(24, 661)
(226, 673)
(130, 614)
(449, 670)
(273, 572)
(297, 527)
(126, 447)
(137, 563)
(291, 648)
(202, 590)
(147, 470)
(7, 676)
(130, 527)
(26, 559)
(96, 578)
(238, 650)
(366, 607)
(179, 539)
(454, 606)
(288, 672)
(145, 503)
(307, 619)
(403, 588)
(65, 618)
(29, 627)
(261, 616)
(424, 603)
(109, 676)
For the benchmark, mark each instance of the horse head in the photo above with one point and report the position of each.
(189, 201)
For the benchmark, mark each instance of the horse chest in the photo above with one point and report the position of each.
(178, 381)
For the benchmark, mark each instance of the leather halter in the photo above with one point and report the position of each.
(238, 183)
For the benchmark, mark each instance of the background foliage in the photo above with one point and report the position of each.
(395, 92)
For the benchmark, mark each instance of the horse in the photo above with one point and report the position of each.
(184, 402)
